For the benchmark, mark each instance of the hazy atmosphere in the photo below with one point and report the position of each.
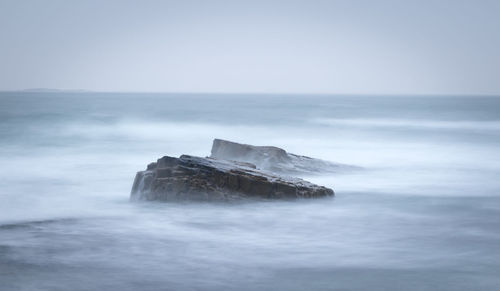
(365, 47)
(249, 145)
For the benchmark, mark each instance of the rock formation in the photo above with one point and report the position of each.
(273, 159)
(209, 179)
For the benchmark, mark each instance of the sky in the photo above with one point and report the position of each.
(322, 47)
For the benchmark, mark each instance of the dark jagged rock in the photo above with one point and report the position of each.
(273, 159)
(208, 179)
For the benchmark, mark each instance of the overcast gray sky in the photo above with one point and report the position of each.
(366, 47)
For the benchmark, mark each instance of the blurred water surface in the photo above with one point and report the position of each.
(424, 212)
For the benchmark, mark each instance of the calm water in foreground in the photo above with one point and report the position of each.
(423, 214)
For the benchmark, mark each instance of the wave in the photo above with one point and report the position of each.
(34, 223)
(410, 123)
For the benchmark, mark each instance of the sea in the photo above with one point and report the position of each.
(422, 211)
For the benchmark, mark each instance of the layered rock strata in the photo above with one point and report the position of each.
(209, 179)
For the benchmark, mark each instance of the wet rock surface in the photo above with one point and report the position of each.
(274, 159)
(209, 179)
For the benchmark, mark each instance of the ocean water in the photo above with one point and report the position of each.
(422, 214)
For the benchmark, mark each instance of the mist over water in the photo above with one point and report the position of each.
(423, 213)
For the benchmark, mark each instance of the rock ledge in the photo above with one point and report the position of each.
(209, 179)
(274, 159)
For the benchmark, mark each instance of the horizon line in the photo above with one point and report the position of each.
(83, 91)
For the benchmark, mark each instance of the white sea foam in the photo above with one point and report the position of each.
(410, 123)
